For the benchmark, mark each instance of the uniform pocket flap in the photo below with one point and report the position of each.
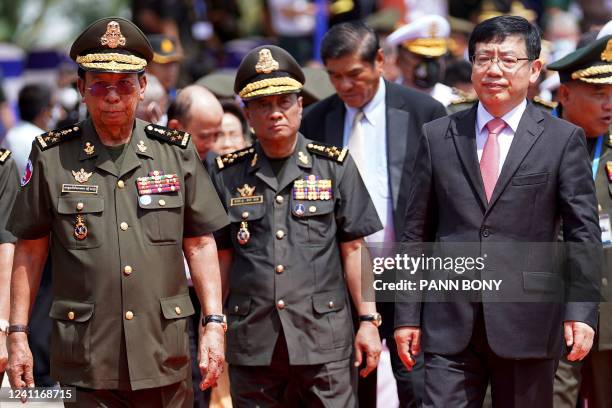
(246, 212)
(311, 208)
(160, 201)
(176, 307)
(541, 282)
(71, 310)
(239, 305)
(80, 205)
(522, 180)
(328, 301)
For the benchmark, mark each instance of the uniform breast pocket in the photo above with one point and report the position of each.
(161, 217)
(71, 331)
(80, 223)
(314, 221)
(333, 320)
(247, 228)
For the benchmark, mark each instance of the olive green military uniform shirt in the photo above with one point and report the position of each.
(9, 184)
(289, 271)
(120, 293)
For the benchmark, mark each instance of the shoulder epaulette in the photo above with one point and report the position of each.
(4, 155)
(57, 136)
(229, 159)
(173, 136)
(610, 140)
(464, 99)
(547, 104)
(328, 151)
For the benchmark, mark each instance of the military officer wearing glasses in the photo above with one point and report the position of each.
(292, 253)
(116, 202)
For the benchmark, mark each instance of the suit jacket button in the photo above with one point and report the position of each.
(280, 304)
(236, 309)
(331, 304)
(485, 232)
(279, 269)
(71, 315)
(129, 315)
(178, 310)
(279, 199)
(280, 234)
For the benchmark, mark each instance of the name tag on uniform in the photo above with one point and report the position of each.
(79, 188)
(606, 233)
(246, 200)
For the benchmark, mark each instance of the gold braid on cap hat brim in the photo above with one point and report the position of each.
(586, 74)
(429, 47)
(112, 61)
(270, 86)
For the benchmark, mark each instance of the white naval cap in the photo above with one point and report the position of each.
(427, 36)
(605, 30)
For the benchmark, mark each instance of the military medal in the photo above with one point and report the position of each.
(312, 188)
(157, 182)
(299, 210)
(243, 234)
(81, 176)
(89, 149)
(80, 229)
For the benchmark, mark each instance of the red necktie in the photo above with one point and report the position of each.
(489, 162)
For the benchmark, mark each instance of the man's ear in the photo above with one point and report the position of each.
(536, 68)
(174, 124)
(563, 94)
(81, 86)
(143, 85)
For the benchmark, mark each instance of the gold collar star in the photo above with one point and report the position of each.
(141, 147)
(89, 149)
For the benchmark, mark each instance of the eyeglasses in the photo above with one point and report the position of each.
(101, 89)
(505, 62)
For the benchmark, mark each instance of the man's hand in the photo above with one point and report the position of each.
(20, 362)
(212, 354)
(408, 341)
(578, 336)
(367, 341)
(3, 352)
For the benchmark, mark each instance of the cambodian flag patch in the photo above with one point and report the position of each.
(27, 174)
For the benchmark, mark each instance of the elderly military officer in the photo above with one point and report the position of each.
(585, 96)
(298, 212)
(116, 202)
(8, 190)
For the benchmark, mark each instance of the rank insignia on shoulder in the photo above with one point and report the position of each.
(328, 151)
(229, 159)
(4, 155)
(549, 105)
(55, 137)
(172, 136)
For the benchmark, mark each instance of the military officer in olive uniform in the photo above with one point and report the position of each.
(585, 98)
(9, 184)
(291, 255)
(116, 202)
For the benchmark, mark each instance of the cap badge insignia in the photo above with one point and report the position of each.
(246, 190)
(113, 37)
(266, 63)
(81, 176)
(89, 149)
(433, 30)
(606, 55)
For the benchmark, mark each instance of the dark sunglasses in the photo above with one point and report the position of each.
(101, 89)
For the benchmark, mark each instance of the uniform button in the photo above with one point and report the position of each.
(330, 304)
(123, 226)
(245, 215)
(236, 309)
(80, 206)
(279, 269)
(162, 202)
(280, 234)
(604, 281)
(485, 233)
(279, 199)
(178, 310)
(280, 304)
(127, 269)
(129, 315)
(71, 315)
(312, 209)
(120, 184)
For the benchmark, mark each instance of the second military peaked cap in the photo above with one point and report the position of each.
(112, 44)
(591, 64)
(427, 36)
(268, 70)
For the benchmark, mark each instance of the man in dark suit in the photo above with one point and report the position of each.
(503, 174)
(391, 118)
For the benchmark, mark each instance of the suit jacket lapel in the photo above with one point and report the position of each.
(528, 131)
(398, 121)
(463, 131)
(334, 125)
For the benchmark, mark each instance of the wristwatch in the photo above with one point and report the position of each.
(18, 328)
(375, 318)
(214, 318)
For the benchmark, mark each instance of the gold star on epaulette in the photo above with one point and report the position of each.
(229, 159)
(55, 137)
(328, 151)
(172, 136)
(4, 155)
